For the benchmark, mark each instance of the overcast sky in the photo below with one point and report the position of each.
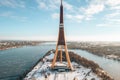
(85, 20)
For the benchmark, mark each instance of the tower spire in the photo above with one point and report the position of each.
(61, 15)
(61, 2)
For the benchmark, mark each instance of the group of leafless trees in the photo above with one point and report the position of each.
(10, 44)
(98, 49)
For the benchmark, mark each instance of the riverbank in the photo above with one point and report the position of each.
(4, 45)
(30, 69)
(81, 61)
(110, 50)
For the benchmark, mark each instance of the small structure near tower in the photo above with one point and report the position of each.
(61, 43)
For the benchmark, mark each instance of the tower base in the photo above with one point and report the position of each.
(69, 66)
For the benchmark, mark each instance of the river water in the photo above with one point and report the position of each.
(14, 62)
(112, 67)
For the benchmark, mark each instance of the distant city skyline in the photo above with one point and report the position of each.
(85, 20)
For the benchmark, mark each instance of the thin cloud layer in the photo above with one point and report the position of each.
(12, 3)
(83, 13)
(109, 9)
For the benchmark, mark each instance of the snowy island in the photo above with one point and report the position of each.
(83, 69)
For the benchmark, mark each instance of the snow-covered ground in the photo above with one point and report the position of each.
(42, 71)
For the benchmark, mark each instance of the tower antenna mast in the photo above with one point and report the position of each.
(61, 2)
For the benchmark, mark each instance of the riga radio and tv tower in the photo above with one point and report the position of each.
(61, 43)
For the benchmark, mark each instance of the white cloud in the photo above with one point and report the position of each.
(19, 18)
(113, 15)
(113, 2)
(94, 9)
(103, 25)
(96, 1)
(68, 6)
(115, 7)
(48, 4)
(112, 19)
(110, 9)
(6, 14)
(110, 23)
(116, 21)
(11, 15)
(77, 18)
(42, 5)
(89, 11)
(55, 15)
(12, 3)
(88, 17)
(69, 16)
(105, 2)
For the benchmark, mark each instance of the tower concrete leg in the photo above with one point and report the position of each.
(68, 58)
(61, 55)
(55, 56)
